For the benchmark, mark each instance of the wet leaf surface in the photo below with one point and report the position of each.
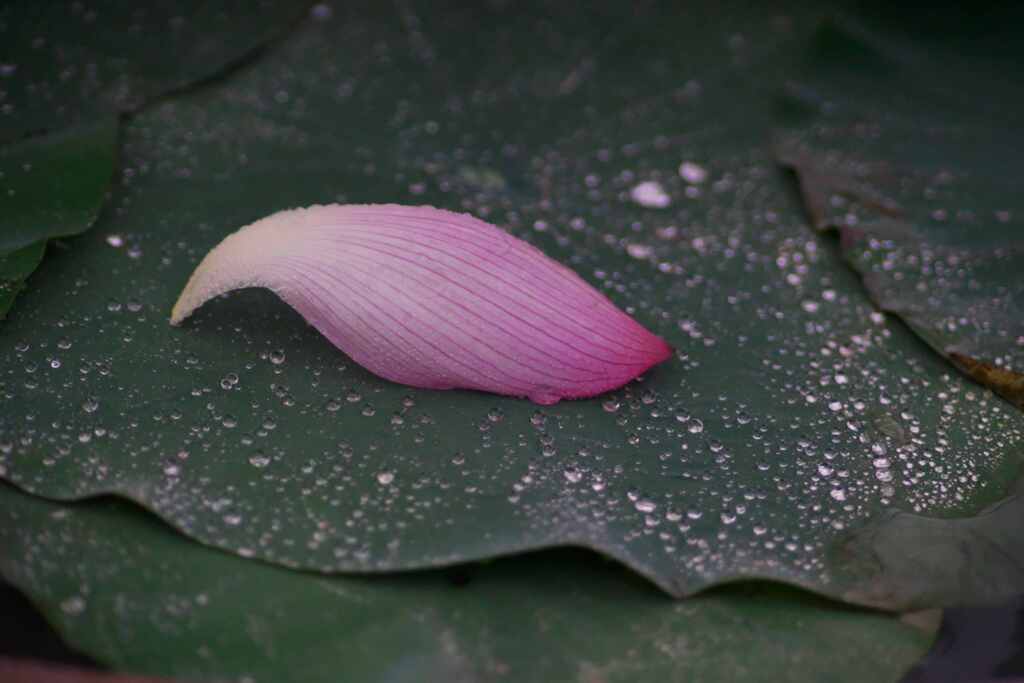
(54, 185)
(794, 417)
(141, 598)
(64, 64)
(67, 71)
(907, 147)
(14, 268)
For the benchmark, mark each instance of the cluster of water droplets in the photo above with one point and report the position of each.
(792, 412)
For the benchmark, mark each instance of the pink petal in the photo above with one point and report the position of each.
(434, 299)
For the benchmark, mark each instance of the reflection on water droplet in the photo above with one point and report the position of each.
(644, 505)
(692, 173)
(74, 605)
(277, 356)
(321, 11)
(650, 194)
(259, 459)
(385, 478)
(640, 251)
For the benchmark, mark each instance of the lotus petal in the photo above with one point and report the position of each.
(434, 299)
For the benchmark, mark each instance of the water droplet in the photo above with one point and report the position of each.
(74, 605)
(695, 426)
(321, 11)
(277, 356)
(385, 478)
(645, 505)
(91, 404)
(650, 194)
(259, 459)
(692, 173)
(640, 251)
(572, 474)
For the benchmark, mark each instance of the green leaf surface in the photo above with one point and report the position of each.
(794, 416)
(68, 70)
(911, 155)
(50, 186)
(127, 590)
(65, 63)
(14, 268)
(54, 185)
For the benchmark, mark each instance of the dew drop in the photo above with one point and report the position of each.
(259, 459)
(74, 605)
(645, 505)
(650, 194)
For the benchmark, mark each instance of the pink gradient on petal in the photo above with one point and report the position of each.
(434, 299)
